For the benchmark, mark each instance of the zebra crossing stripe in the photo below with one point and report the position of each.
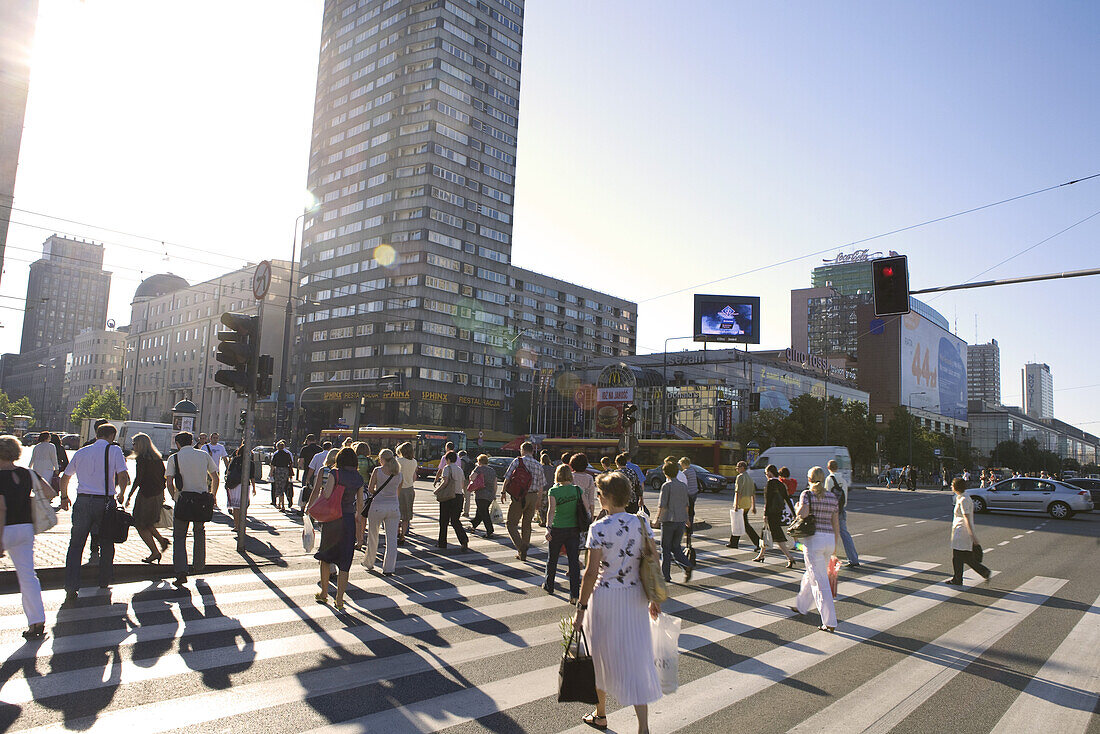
(712, 693)
(501, 695)
(74, 681)
(294, 688)
(883, 702)
(1062, 696)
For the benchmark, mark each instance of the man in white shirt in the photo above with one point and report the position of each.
(220, 456)
(199, 474)
(523, 509)
(99, 467)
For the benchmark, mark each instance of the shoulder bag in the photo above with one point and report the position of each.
(327, 509)
(444, 486)
(804, 527)
(43, 515)
(116, 521)
(649, 568)
(368, 497)
(478, 482)
(584, 520)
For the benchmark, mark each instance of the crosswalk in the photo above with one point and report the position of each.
(471, 641)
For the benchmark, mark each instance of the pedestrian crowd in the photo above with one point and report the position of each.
(360, 501)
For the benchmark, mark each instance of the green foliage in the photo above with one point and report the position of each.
(96, 404)
(849, 425)
(5, 403)
(22, 406)
(1026, 457)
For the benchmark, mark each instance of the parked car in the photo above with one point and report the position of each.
(30, 438)
(1092, 485)
(71, 441)
(1058, 499)
(708, 480)
(500, 465)
(263, 453)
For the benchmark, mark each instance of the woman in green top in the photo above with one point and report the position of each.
(562, 531)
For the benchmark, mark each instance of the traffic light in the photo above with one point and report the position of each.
(243, 419)
(890, 285)
(754, 402)
(263, 376)
(629, 417)
(236, 348)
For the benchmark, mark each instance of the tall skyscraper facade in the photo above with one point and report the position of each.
(983, 372)
(1038, 387)
(17, 21)
(67, 292)
(405, 263)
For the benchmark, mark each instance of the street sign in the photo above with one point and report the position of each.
(261, 280)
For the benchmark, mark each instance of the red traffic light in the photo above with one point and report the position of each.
(888, 271)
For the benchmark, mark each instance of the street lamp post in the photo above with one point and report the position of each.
(280, 408)
(664, 377)
(909, 417)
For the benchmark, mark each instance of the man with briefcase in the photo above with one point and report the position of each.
(193, 479)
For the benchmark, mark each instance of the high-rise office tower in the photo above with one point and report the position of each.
(17, 21)
(67, 292)
(1038, 387)
(405, 262)
(983, 372)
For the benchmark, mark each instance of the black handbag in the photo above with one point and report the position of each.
(194, 506)
(116, 521)
(804, 527)
(577, 674)
(584, 520)
(978, 552)
(368, 497)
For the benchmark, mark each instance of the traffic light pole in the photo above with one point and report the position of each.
(249, 418)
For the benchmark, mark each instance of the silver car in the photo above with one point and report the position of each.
(1024, 494)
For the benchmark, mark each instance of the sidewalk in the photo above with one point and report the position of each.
(274, 538)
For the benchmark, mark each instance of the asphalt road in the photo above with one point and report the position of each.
(469, 642)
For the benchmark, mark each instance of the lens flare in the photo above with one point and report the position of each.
(385, 255)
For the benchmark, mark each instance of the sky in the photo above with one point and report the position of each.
(662, 147)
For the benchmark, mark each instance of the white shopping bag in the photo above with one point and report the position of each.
(737, 523)
(497, 513)
(308, 535)
(666, 651)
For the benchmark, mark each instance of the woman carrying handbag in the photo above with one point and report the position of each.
(617, 625)
(448, 492)
(818, 548)
(17, 530)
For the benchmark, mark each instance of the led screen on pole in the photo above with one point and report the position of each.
(727, 319)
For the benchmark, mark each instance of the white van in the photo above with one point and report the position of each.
(800, 459)
(161, 434)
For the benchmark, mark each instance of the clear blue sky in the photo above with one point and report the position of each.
(662, 145)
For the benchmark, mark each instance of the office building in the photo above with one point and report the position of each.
(95, 364)
(1038, 391)
(983, 372)
(172, 343)
(67, 292)
(405, 262)
(17, 21)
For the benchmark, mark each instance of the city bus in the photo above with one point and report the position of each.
(427, 443)
(720, 457)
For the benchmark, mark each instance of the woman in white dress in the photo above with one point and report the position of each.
(616, 626)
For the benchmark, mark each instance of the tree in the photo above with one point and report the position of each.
(108, 404)
(22, 406)
(767, 427)
(83, 408)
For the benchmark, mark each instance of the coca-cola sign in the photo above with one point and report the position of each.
(856, 256)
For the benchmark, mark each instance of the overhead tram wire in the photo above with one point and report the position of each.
(869, 239)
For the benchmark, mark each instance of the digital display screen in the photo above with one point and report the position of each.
(727, 319)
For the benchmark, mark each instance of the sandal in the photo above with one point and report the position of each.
(35, 632)
(825, 628)
(758, 559)
(321, 598)
(593, 720)
(790, 563)
(338, 605)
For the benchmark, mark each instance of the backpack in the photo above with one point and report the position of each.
(837, 489)
(517, 485)
(634, 505)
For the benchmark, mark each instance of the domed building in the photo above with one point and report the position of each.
(158, 285)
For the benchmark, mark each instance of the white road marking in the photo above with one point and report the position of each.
(1004, 542)
(1062, 695)
(881, 530)
(882, 703)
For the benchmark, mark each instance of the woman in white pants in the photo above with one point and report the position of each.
(17, 537)
(818, 549)
(385, 510)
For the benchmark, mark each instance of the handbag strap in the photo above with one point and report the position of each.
(379, 490)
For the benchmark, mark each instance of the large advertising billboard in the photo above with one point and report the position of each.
(933, 368)
(727, 319)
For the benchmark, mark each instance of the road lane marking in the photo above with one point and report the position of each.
(1062, 695)
(1004, 542)
(883, 702)
(1017, 537)
(881, 530)
(902, 525)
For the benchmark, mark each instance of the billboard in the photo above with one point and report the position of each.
(727, 319)
(933, 368)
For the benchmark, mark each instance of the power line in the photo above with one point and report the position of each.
(869, 239)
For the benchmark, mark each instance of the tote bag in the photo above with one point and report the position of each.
(327, 509)
(43, 516)
(737, 523)
(649, 569)
(576, 673)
